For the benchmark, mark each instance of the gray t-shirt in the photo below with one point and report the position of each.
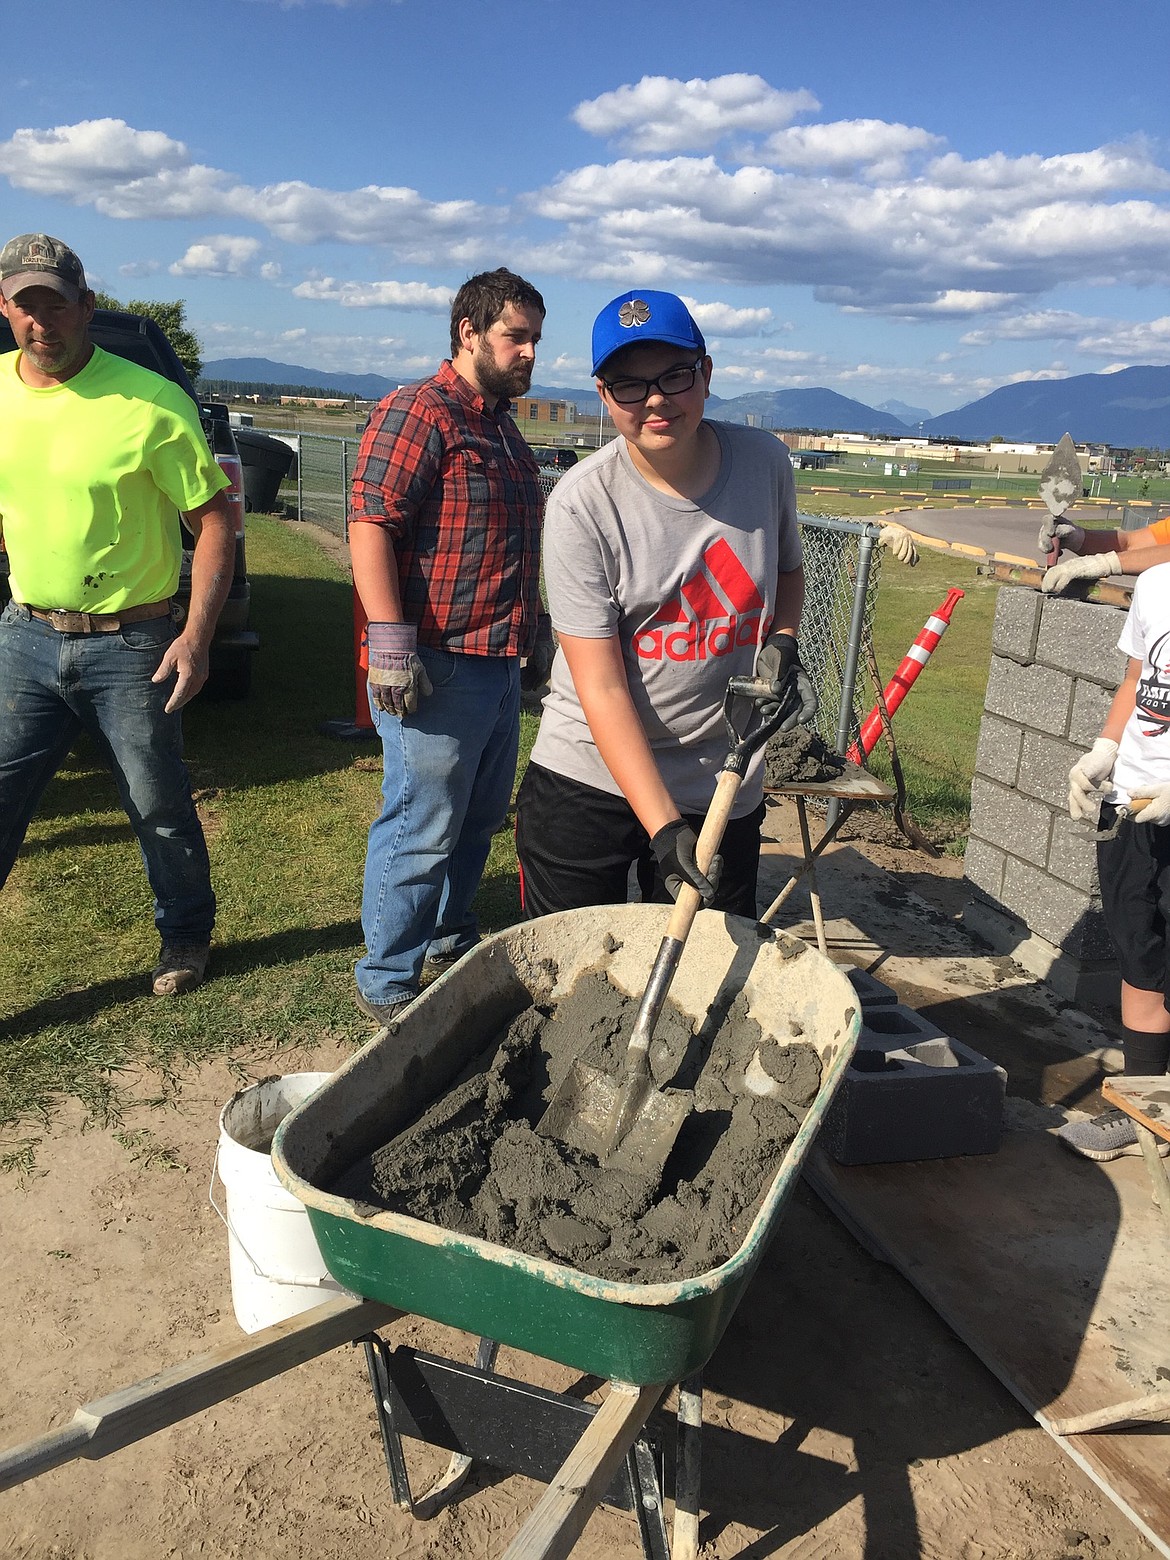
(690, 591)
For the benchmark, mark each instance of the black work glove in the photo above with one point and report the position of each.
(674, 847)
(778, 664)
(397, 678)
(534, 673)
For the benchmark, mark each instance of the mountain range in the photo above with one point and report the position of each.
(1129, 408)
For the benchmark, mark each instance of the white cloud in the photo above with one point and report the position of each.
(1133, 341)
(222, 254)
(1071, 175)
(72, 158)
(872, 144)
(722, 319)
(143, 174)
(139, 268)
(378, 295)
(661, 114)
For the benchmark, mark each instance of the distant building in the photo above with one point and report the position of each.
(323, 403)
(530, 409)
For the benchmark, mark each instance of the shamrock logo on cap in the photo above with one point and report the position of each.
(635, 312)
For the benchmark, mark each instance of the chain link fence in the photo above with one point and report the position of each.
(841, 563)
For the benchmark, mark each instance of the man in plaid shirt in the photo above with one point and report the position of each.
(444, 535)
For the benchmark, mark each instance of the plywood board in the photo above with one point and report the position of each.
(1052, 1269)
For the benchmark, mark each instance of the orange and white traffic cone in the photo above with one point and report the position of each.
(904, 678)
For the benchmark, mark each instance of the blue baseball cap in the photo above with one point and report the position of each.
(643, 316)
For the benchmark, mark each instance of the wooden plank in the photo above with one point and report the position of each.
(134, 1412)
(854, 783)
(1050, 1268)
(559, 1517)
(1145, 1099)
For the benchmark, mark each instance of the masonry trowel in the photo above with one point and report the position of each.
(1060, 485)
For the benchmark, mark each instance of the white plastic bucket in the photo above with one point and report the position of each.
(276, 1268)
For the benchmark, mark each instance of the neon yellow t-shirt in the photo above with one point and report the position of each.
(92, 474)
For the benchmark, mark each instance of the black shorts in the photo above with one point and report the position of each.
(1134, 869)
(576, 846)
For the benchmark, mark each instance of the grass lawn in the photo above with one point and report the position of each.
(286, 812)
(937, 727)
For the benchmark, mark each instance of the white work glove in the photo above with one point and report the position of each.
(898, 539)
(1157, 809)
(1087, 777)
(1095, 567)
(1071, 537)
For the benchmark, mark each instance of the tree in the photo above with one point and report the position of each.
(171, 318)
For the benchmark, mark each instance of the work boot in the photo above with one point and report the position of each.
(1111, 1135)
(382, 1013)
(181, 967)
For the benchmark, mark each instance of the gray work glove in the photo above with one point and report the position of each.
(778, 664)
(535, 671)
(898, 539)
(1095, 567)
(398, 679)
(1157, 809)
(1071, 537)
(674, 848)
(1087, 777)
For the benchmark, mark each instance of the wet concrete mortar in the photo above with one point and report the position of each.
(474, 1163)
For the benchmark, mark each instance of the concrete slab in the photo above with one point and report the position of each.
(1048, 1267)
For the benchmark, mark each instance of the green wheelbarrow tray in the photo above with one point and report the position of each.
(636, 1333)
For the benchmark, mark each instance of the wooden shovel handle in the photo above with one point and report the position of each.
(686, 906)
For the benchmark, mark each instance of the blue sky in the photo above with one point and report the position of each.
(919, 201)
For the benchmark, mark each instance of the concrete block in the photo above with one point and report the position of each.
(931, 1098)
(1090, 705)
(1081, 637)
(1015, 823)
(1064, 915)
(871, 992)
(1017, 622)
(1072, 854)
(1044, 766)
(1039, 697)
(983, 866)
(896, 1026)
(998, 753)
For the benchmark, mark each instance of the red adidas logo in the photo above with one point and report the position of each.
(717, 609)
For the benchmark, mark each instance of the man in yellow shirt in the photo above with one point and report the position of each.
(97, 458)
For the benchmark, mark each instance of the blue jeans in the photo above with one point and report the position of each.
(448, 772)
(53, 686)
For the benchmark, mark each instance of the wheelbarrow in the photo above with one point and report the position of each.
(641, 1338)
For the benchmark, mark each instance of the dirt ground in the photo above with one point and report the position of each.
(842, 1418)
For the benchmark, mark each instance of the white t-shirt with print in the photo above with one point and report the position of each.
(1143, 756)
(688, 587)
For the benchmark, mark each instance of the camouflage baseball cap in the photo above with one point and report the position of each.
(36, 260)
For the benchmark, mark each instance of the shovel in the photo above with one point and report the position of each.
(624, 1120)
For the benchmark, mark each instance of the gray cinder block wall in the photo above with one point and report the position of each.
(1033, 872)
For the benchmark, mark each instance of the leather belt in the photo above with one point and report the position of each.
(97, 622)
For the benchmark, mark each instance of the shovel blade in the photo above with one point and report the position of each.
(581, 1113)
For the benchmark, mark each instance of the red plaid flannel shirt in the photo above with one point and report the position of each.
(458, 489)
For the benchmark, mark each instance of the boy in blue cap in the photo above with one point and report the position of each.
(672, 562)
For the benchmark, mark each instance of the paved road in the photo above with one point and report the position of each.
(1010, 531)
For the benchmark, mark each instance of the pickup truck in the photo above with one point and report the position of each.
(143, 341)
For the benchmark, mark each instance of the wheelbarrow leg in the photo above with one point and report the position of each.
(378, 1366)
(688, 1467)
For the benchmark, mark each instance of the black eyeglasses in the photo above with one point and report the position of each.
(676, 381)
